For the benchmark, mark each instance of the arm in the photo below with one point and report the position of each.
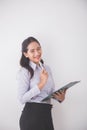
(25, 94)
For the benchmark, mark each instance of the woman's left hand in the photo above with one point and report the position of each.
(60, 96)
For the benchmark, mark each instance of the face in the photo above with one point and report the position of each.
(34, 52)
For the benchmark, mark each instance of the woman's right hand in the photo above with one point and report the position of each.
(43, 78)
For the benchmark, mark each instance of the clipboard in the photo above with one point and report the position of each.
(67, 86)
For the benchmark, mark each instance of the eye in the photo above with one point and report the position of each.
(39, 48)
(32, 51)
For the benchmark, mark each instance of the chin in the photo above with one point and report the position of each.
(36, 62)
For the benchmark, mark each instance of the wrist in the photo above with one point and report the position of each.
(40, 86)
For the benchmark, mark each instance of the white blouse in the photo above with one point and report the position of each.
(28, 90)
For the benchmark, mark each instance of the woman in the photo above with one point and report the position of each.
(35, 83)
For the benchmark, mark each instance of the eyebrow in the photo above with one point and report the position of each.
(36, 48)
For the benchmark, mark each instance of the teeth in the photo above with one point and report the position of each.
(38, 57)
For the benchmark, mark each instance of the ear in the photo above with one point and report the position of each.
(25, 54)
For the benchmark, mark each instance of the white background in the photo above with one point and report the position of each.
(61, 28)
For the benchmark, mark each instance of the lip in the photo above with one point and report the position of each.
(37, 57)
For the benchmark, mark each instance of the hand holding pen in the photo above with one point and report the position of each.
(43, 77)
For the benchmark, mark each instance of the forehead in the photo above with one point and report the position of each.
(33, 45)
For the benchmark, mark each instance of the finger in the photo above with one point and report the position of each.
(62, 91)
(43, 71)
(57, 93)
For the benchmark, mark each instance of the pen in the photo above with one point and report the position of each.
(41, 65)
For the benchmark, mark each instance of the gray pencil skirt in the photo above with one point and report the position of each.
(36, 116)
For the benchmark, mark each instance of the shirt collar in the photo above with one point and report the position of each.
(33, 65)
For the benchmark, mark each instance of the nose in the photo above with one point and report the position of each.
(37, 52)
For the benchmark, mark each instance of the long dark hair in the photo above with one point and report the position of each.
(24, 62)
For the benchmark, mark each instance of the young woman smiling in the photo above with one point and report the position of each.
(35, 82)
